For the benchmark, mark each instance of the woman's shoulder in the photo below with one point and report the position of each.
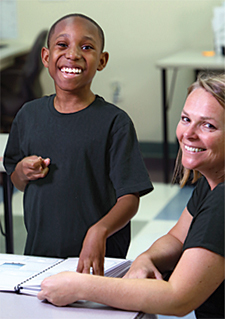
(204, 196)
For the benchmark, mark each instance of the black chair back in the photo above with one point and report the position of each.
(21, 86)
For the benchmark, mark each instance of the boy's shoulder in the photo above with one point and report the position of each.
(37, 105)
(109, 112)
(108, 106)
(40, 101)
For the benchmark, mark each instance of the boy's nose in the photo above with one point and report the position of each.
(73, 53)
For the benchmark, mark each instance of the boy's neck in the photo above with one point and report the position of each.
(69, 103)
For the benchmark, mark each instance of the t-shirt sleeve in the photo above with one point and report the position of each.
(207, 227)
(127, 169)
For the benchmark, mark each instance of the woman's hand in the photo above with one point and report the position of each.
(143, 267)
(61, 289)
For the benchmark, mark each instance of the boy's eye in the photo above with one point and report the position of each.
(87, 47)
(62, 44)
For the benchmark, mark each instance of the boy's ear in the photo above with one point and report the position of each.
(103, 61)
(45, 56)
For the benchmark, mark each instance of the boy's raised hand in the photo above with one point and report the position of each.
(29, 168)
(34, 167)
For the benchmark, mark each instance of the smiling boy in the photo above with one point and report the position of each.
(73, 57)
(76, 156)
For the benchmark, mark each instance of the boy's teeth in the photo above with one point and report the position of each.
(193, 149)
(71, 70)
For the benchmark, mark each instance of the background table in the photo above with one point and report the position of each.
(10, 50)
(185, 59)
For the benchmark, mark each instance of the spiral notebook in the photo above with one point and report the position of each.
(24, 274)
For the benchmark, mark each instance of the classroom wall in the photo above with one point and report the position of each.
(138, 33)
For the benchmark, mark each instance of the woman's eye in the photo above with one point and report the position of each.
(209, 126)
(184, 119)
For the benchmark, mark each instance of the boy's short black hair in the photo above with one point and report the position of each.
(52, 29)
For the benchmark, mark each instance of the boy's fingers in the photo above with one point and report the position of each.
(47, 161)
(79, 266)
(45, 170)
(41, 165)
(36, 164)
(98, 267)
(84, 266)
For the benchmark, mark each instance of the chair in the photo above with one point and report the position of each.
(21, 85)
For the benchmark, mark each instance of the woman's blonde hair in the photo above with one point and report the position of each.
(215, 85)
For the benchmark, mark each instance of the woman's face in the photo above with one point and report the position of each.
(201, 134)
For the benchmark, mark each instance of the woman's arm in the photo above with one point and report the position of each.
(198, 273)
(164, 253)
(93, 250)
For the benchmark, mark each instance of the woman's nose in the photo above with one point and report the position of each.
(190, 132)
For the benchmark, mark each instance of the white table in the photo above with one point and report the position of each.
(7, 195)
(185, 59)
(14, 306)
(192, 59)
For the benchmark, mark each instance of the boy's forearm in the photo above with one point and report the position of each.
(18, 180)
(120, 214)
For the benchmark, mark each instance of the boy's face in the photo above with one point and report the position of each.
(74, 54)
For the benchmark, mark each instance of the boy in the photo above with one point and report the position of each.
(75, 156)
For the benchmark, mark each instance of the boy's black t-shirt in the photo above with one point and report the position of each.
(95, 159)
(207, 231)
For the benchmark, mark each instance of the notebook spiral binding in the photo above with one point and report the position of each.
(18, 287)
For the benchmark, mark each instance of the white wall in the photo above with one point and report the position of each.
(138, 33)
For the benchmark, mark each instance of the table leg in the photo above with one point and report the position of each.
(165, 128)
(7, 193)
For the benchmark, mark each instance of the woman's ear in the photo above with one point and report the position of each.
(45, 56)
(103, 61)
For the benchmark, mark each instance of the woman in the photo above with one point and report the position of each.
(193, 249)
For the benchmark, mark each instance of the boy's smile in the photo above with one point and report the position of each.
(71, 70)
(74, 56)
